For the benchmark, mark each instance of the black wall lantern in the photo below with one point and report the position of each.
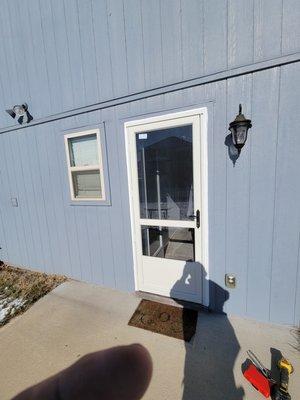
(239, 129)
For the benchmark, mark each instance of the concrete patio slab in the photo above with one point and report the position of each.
(77, 318)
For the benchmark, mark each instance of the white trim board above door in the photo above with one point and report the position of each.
(168, 193)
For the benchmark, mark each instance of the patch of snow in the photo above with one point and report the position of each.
(9, 306)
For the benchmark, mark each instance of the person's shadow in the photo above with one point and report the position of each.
(211, 353)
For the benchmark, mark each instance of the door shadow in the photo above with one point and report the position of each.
(211, 353)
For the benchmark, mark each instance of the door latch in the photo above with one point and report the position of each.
(197, 218)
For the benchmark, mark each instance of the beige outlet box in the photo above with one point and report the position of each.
(230, 280)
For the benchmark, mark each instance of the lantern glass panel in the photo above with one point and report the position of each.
(240, 136)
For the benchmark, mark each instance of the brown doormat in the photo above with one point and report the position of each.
(168, 320)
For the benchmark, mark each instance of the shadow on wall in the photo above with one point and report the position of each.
(211, 353)
(233, 152)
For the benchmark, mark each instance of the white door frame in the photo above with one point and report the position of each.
(202, 114)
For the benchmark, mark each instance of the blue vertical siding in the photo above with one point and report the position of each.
(215, 28)
(239, 90)
(94, 50)
(290, 26)
(287, 199)
(152, 43)
(253, 206)
(117, 42)
(102, 49)
(218, 189)
(267, 36)
(82, 52)
(240, 32)
(134, 45)
(170, 14)
(262, 183)
(192, 38)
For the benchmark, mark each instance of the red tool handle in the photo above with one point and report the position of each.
(258, 380)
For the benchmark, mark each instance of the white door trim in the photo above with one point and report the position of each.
(165, 120)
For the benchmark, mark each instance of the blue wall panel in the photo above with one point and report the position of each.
(290, 26)
(239, 90)
(84, 52)
(215, 35)
(171, 40)
(267, 36)
(152, 42)
(262, 183)
(134, 45)
(87, 49)
(253, 205)
(192, 37)
(117, 42)
(102, 49)
(287, 199)
(240, 32)
(218, 188)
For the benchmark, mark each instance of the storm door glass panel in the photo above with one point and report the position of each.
(168, 242)
(83, 151)
(165, 173)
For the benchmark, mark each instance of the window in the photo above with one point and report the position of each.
(85, 165)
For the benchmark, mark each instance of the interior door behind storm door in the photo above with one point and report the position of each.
(166, 205)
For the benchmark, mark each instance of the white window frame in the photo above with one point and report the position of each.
(97, 167)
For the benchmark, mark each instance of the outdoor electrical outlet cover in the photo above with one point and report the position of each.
(230, 280)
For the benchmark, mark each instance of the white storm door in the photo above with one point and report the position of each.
(165, 177)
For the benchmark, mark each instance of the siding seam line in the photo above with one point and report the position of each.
(281, 26)
(82, 58)
(68, 49)
(297, 278)
(95, 52)
(44, 208)
(226, 198)
(161, 43)
(220, 76)
(275, 191)
(62, 202)
(125, 44)
(249, 202)
(45, 57)
(181, 39)
(142, 33)
(109, 46)
(56, 56)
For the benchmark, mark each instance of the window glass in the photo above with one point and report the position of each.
(165, 173)
(83, 151)
(168, 242)
(86, 184)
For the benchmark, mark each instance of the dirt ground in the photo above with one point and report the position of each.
(20, 288)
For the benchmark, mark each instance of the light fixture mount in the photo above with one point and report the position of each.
(20, 111)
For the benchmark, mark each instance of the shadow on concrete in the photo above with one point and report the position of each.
(211, 353)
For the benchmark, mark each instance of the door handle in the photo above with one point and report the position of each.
(197, 218)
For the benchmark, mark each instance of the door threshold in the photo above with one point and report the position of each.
(170, 301)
